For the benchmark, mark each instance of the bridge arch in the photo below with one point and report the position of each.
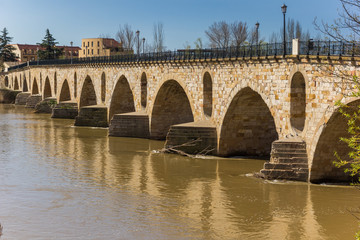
(35, 88)
(88, 94)
(16, 84)
(75, 85)
(25, 85)
(47, 88)
(122, 99)
(207, 94)
(298, 102)
(171, 106)
(143, 88)
(248, 127)
(6, 81)
(65, 92)
(322, 168)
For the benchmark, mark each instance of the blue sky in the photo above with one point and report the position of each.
(183, 20)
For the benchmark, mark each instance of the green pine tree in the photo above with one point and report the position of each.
(6, 51)
(49, 49)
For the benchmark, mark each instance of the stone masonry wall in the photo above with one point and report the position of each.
(270, 78)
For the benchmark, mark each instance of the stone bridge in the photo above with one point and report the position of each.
(283, 107)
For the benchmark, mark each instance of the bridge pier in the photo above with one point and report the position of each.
(288, 161)
(193, 138)
(65, 109)
(46, 105)
(32, 100)
(8, 96)
(133, 124)
(21, 98)
(92, 116)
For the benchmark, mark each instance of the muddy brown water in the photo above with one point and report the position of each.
(63, 182)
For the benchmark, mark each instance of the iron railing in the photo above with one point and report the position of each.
(329, 48)
(310, 47)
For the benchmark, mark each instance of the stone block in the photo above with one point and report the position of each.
(21, 98)
(130, 125)
(92, 116)
(288, 161)
(193, 138)
(33, 100)
(66, 109)
(8, 96)
(45, 106)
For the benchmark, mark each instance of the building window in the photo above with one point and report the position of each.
(88, 51)
(84, 51)
(92, 44)
(92, 51)
(84, 44)
(88, 44)
(98, 44)
(98, 51)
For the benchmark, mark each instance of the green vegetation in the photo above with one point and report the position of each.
(6, 51)
(49, 50)
(352, 115)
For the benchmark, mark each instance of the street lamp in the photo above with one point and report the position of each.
(283, 9)
(257, 32)
(138, 41)
(71, 44)
(143, 45)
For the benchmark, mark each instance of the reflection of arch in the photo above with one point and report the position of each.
(171, 107)
(103, 87)
(65, 92)
(122, 99)
(207, 94)
(248, 127)
(25, 85)
(88, 94)
(6, 81)
(297, 102)
(323, 169)
(47, 88)
(16, 84)
(35, 88)
(55, 84)
(143, 85)
(75, 85)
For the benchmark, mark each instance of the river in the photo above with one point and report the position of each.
(63, 182)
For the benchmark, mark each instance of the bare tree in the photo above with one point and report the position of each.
(126, 36)
(159, 37)
(198, 43)
(219, 34)
(239, 33)
(293, 30)
(103, 35)
(347, 26)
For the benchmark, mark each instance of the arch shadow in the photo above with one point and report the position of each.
(248, 127)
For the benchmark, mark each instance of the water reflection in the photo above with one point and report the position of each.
(55, 176)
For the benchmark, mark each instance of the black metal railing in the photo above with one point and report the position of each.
(310, 47)
(329, 48)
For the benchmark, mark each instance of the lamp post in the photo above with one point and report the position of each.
(143, 45)
(283, 9)
(71, 44)
(138, 41)
(257, 32)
